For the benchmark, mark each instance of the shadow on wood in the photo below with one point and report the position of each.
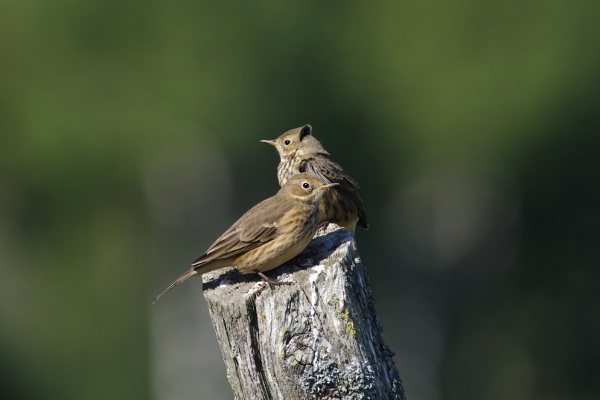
(318, 337)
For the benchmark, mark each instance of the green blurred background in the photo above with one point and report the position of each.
(129, 140)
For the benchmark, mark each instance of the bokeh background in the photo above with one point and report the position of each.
(129, 140)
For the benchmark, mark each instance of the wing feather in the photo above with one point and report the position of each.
(252, 230)
(325, 167)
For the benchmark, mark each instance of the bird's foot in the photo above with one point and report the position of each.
(272, 283)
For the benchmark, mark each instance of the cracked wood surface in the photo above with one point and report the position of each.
(317, 337)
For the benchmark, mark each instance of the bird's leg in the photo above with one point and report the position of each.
(270, 281)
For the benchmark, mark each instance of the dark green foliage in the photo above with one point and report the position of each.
(129, 140)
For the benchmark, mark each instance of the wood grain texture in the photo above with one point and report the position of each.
(317, 337)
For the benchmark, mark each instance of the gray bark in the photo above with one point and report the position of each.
(318, 337)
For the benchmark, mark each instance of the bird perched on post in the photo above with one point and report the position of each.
(300, 152)
(269, 234)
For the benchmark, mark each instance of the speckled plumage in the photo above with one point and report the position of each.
(301, 152)
(269, 234)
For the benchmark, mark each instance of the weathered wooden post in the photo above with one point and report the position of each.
(317, 338)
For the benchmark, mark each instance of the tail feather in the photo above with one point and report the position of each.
(188, 274)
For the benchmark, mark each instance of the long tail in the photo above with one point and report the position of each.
(187, 275)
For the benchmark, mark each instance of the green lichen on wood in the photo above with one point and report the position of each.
(229, 377)
(334, 303)
(349, 324)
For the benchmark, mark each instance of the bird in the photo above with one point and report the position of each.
(271, 233)
(301, 152)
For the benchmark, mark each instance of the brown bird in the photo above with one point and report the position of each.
(300, 152)
(269, 234)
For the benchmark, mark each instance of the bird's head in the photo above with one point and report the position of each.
(297, 142)
(306, 187)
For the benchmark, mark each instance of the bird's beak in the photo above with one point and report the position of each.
(327, 186)
(271, 142)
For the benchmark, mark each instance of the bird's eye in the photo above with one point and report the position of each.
(287, 142)
(305, 185)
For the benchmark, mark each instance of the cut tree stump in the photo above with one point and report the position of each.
(317, 337)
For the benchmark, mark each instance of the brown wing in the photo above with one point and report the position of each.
(324, 166)
(255, 228)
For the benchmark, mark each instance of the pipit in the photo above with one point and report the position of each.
(300, 152)
(269, 234)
